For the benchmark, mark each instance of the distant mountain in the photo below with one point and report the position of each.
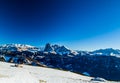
(107, 52)
(57, 49)
(18, 47)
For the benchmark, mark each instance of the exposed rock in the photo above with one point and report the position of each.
(48, 48)
(2, 58)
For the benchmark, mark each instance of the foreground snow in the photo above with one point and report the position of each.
(30, 74)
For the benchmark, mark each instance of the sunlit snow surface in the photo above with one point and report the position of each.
(30, 74)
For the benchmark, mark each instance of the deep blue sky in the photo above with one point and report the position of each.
(78, 24)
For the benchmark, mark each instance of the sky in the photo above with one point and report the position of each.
(77, 24)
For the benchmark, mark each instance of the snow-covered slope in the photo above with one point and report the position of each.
(30, 74)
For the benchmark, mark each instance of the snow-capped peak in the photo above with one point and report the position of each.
(107, 51)
(59, 49)
(17, 47)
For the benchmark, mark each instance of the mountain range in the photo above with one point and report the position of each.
(104, 63)
(57, 49)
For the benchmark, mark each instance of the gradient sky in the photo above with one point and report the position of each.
(77, 24)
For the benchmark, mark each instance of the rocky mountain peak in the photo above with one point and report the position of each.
(48, 48)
